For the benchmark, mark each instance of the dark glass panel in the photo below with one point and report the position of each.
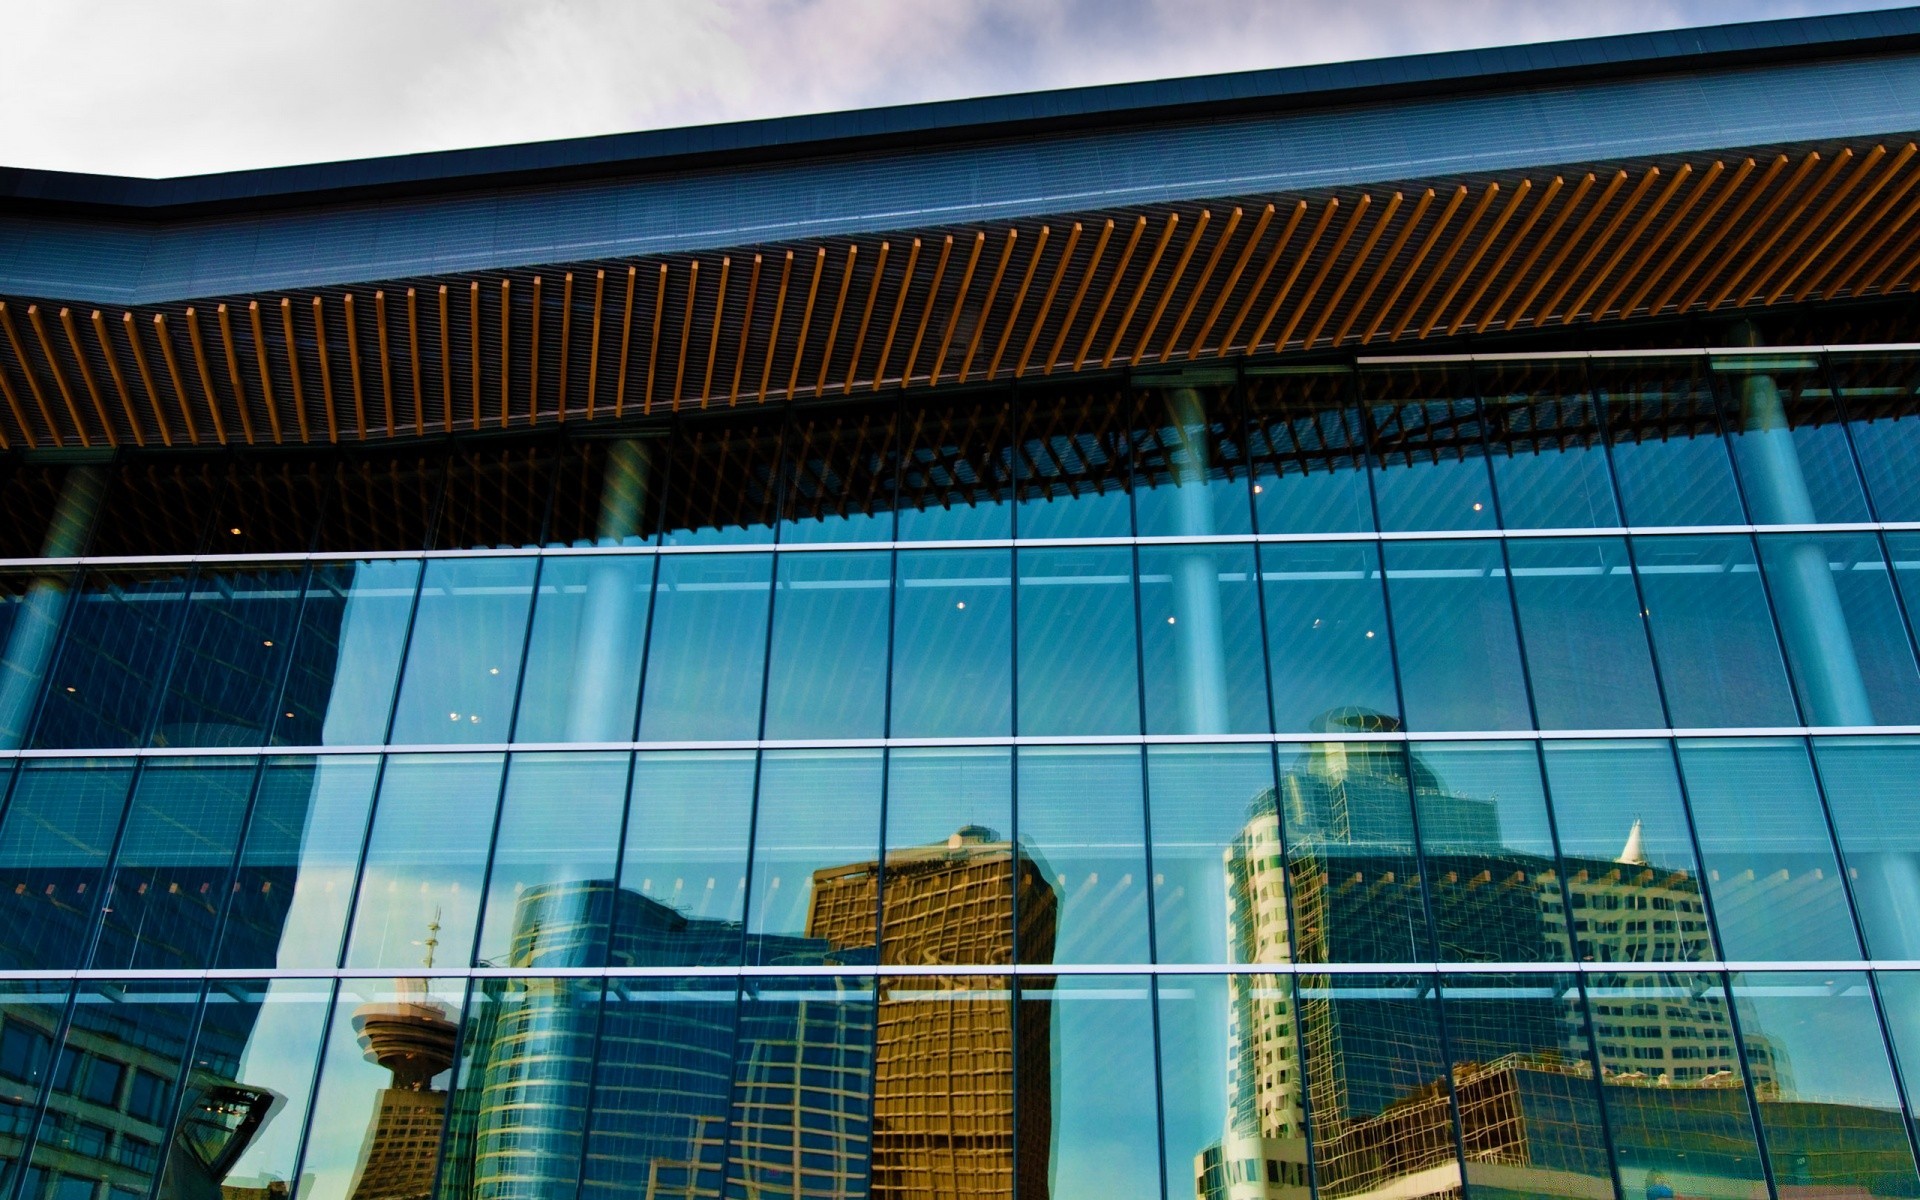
(383, 501)
(170, 875)
(234, 640)
(956, 467)
(802, 1113)
(1880, 394)
(1490, 866)
(463, 661)
(723, 478)
(271, 504)
(1849, 650)
(496, 495)
(608, 492)
(1080, 825)
(299, 862)
(1453, 634)
(1071, 470)
(1200, 640)
(1712, 633)
(1078, 667)
(55, 837)
(119, 638)
(1189, 456)
(30, 1015)
(953, 644)
(1219, 886)
(1351, 864)
(426, 861)
(1669, 458)
(1523, 1068)
(1788, 443)
(1430, 467)
(346, 656)
(816, 845)
(683, 874)
(1308, 452)
(1327, 641)
(841, 467)
(158, 504)
(1900, 1007)
(707, 651)
(1104, 1130)
(1548, 448)
(50, 509)
(1872, 787)
(949, 888)
(1584, 635)
(1632, 883)
(582, 678)
(32, 610)
(554, 859)
(827, 677)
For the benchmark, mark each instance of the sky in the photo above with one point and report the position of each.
(183, 87)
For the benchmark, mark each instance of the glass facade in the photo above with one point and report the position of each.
(1450, 778)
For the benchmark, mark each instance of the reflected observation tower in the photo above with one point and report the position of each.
(413, 1037)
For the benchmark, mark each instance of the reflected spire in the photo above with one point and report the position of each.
(1634, 853)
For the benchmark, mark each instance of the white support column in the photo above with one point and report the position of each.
(1198, 628)
(30, 644)
(597, 709)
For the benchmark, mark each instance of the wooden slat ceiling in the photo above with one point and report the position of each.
(936, 307)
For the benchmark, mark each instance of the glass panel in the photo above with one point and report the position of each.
(496, 496)
(1852, 662)
(1454, 635)
(1190, 457)
(299, 862)
(683, 874)
(816, 845)
(707, 650)
(723, 482)
(1788, 444)
(1900, 1001)
(176, 855)
(464, 659)
(1200, 640)
(30, 1014)
(1080, 823)
(1669, 458)
(1873, 792)
(1078, 669)
(426, 861)
(1633, 886)
(383, 501)
(949, 887)
(119, 639)
(1585, 637)
(58, 829)
(840, 474)
(802, 1088)
(1430, 466)
(1549, 452)
(1072, 466)
(608, 493)
(271, 503)
(828, 673)
(158, 504)
(1327, 637)
(32, 609)
(554, 857)
(234, 642)
(1771, 870)
(51, 509)
(1351, 863)
(1219, 884)
(1307, 447)
(956, 468)
(346, 657)
(1719, 659)
(953, 644)
(1878, 392)
(1103, 1131)
(582, 679)
(1489, 853)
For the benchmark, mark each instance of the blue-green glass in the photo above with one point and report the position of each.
(683, 872)
(804, 1045)
(1849, 650)
(1872, 787)
(1789, 446)
(170, 874)
(1079, 818)
(1880, 396)
(707, 650)
(1200, 640)
(1547, 447)
(840, 466)
(120, 636)
(1308, 451)
(552, 875)
(1900, 1007)
(723, 478)
(1584, 636)
(1430, 468)
(1071, 473)
(294, 884)
(1495, 885)
(1768, 853)
(1190, 458)
(949, 857)
(1327, 641)
(956, 467)
(346, 657)
(1633, 886)
(1104, 1126)
(1454, 637)
(1352, 864)
(953, 644)
(30, 1014)
(234, 641)
(1219, 878)
(582, 678)
(1903, 557)
(1713, 635)
(32, 608)
(463, 661)
(812, 890)
(55, 836)
(1669, 458)
(1078, 668)
(1828, 1102)
(426, 861)
(827, 671)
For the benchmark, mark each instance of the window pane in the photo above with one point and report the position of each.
(1453, 632)
(158, 504)
(608, 493)
(463, 662)
(426, 861)
(1078, 671)
(1430, 466)
(1712, 632)
(32, 609)
(1900, 1000)
(1219, 890)
(1189, 457)
(828, 672)
(707, 649)
(816, 839)
(58, 830)
(583, 657)
(383, 501)
(949, 887)
(953, 644)
(1873, 790)
(52, 508)
(1878, 392)
(1668, 456)
(1788, 444)
(723, 481)
(119, 639)
(297, 868)
(234, 641)
(1549, 452)
(840, 474)
(1200, 635)
(1351, 863)
(551, 882)
(30, 1014)
(346, 657)
(1104, 1131)
(271, 503)
(1308, 451)
(1327, 636)
(1072, 471)
(1080, 825)
(1585, 638)
(956, 469)
(802, 1132)
(1852, 662)
(683, 874)
(496, 496)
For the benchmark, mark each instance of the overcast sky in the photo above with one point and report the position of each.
(179, 87)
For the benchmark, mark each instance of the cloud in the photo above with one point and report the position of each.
(136, 88)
